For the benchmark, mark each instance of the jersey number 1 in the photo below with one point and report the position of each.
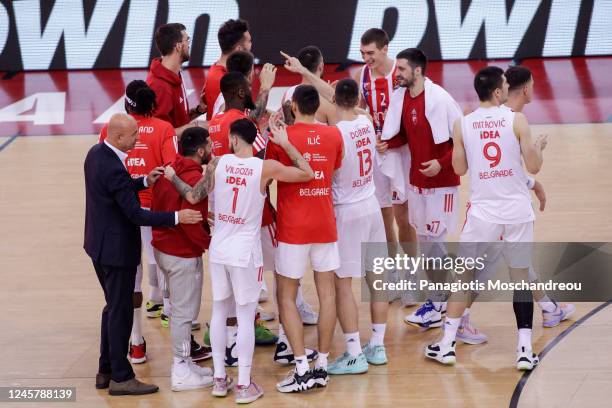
(235, 190)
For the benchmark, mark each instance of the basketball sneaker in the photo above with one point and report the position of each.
(190, 381)
(552, 319)
(375, 355)
(284, 355)
(206, 338)
(309, 316)
(205, 371)
(321, 377)
(526, 360)
(165, 320)
(296, 383)
(425, 316)
(138, 353)
(468, 333)
(245, 394)
(263, 335)
(349, 364)
(442, 353)
(154, 309)
(222, 386)
(199, 353)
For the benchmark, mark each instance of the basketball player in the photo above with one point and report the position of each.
(490, 143)
(307, 232)
(377, 80)
(166, 80)
(239, 182)
(358, 220)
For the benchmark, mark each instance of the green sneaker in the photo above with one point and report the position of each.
(154, 309)
(206, 339)
(164, 320)
(375, 355)
(263, 335)
(348, 364)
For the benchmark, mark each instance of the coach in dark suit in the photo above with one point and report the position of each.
(112, 240)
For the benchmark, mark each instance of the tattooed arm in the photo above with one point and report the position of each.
(266, 80)
(201, 190)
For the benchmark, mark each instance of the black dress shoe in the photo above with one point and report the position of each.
(102, 381)
(131, 387)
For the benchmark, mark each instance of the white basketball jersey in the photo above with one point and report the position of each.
(238, 210)
(353, 181)
(499, 191)
(219, 105)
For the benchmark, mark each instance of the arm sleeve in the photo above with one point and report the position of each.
(121, 186)
(139, 183)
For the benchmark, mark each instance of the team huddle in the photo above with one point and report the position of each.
(375, 158)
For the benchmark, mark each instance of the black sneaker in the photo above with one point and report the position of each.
(297, 383)
(284, 356)
(199, 353)
(230, 359)
(321, 377)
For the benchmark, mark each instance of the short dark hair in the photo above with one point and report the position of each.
(240, 61)
(487, 80)
(192, 139)
(310, 57)
(375, 35)
(307, 99)
(231, 33)
(415, 57)
(244, 129)
(139, 98)
(231, 83)
(517, 77)
(347, 93)
(167, 36)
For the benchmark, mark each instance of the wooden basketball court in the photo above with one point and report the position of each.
(51, 300)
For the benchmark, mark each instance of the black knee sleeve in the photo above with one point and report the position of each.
(523, 308)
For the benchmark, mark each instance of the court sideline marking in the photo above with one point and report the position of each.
(9, 141)
(516, 395)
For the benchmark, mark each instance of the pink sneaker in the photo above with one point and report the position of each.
(245, 394)
(221, 386)
(553, 319)
(470, 334)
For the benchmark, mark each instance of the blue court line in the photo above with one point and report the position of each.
(9, 141)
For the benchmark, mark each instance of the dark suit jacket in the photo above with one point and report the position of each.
(112, 210)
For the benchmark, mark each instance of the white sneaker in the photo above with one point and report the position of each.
(444, 354)
(309, 316)
(426, 316)
(191, 381)
(204, 371)
(526, 360)
(265, 316)
(469, 334)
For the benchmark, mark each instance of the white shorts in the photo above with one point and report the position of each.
(358, 223)
(391, 176)
(268, 246)
(243, 283)
(479, 237)
(146, 235)
(292, 260)
(433, 211)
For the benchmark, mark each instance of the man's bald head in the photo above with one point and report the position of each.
(122, 131)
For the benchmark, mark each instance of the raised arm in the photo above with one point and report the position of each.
(266, 80)
(201, 190)
(460, 164)
(293, 64)
(531, 151)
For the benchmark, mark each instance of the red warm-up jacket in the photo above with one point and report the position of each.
(172, 105)
(185, 241)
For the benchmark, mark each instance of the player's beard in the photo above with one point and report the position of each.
(185, 55)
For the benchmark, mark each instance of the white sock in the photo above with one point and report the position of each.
(282, 337)
(231, 333)
(299, 299)
(547, 304)
(322, 361)
(451, 324)
(353, 345)
(180, 367)
(167, 308)
(524, 339)
(218, 335)
(301, 364)
(245, 341)
(136, 337)
(378, 334)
